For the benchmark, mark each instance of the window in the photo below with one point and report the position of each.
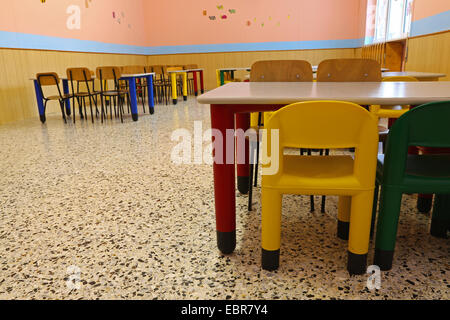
(392, 19)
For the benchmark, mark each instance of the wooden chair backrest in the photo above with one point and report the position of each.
(48, 78)
(133, 69)
(79, 74)
(349, 70)
(108, 73)
(281, 71)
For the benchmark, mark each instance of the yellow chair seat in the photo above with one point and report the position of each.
(322, 175)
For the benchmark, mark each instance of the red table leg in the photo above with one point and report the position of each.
(222, 118)
(195, 83)
(242, 122)
(202, 85)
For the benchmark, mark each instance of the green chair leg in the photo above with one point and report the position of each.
(440, 221)
(390, 202)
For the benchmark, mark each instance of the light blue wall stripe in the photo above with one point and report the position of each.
(258, 46)
(437, 23)
(30, 41)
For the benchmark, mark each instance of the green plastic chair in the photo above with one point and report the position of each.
(398, 173)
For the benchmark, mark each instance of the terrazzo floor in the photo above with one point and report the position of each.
(106, 199)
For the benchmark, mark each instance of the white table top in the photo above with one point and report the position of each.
(414, 74)
(382, 93)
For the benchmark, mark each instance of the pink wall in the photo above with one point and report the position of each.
(427, 8)
(97, 22)
(181, 22)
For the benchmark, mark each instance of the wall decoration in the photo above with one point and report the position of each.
(86, 3)
(205, 13)
(212, 18)
(232, 11)
(224, 17)
(220, 7)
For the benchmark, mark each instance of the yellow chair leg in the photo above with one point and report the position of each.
(359, 235)
(271, 202)
(173, 79)
(185, 93)
(344, 205)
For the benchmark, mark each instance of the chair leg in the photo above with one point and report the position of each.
(374, 209)
(424, 202)
(257, 163)
(344, 208)
(322, 208)
(311, 197)
(359, 233)
(390, 203)
(61, 104)
(90, 104)
(250, 176)
(440, 219)
(271, 201)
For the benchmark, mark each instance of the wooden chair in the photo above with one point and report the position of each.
(273, 71)
(349, 70)
(160, 84)
(82, 76)
(117, 95)
(52, 79)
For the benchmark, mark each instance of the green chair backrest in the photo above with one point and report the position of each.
(427, 125)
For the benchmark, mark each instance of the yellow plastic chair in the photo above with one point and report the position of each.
(321, 125)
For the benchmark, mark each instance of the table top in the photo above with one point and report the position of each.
(184, 71)
(414, 74)
(122, 76)
(381, 93)
(235, 69)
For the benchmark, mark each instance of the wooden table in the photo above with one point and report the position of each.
(241, 98)
(131, 78)
(221, 74)
(183, 73)
(421, 76)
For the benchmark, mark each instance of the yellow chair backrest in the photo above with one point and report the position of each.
(327, 125)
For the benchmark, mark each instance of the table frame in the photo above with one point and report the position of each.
(234, 115)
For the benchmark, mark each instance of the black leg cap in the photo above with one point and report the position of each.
(343, 230)
(383, 259)
(152, 110)
(196, 93)
(185, 98)
(226, 241)
(135, 116)
(357, 263)
(439, 228)
(242, 184)
(175, 101)
(270, 260)
(42, 117)
(424, 204)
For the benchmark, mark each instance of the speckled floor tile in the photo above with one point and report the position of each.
(107, 199)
